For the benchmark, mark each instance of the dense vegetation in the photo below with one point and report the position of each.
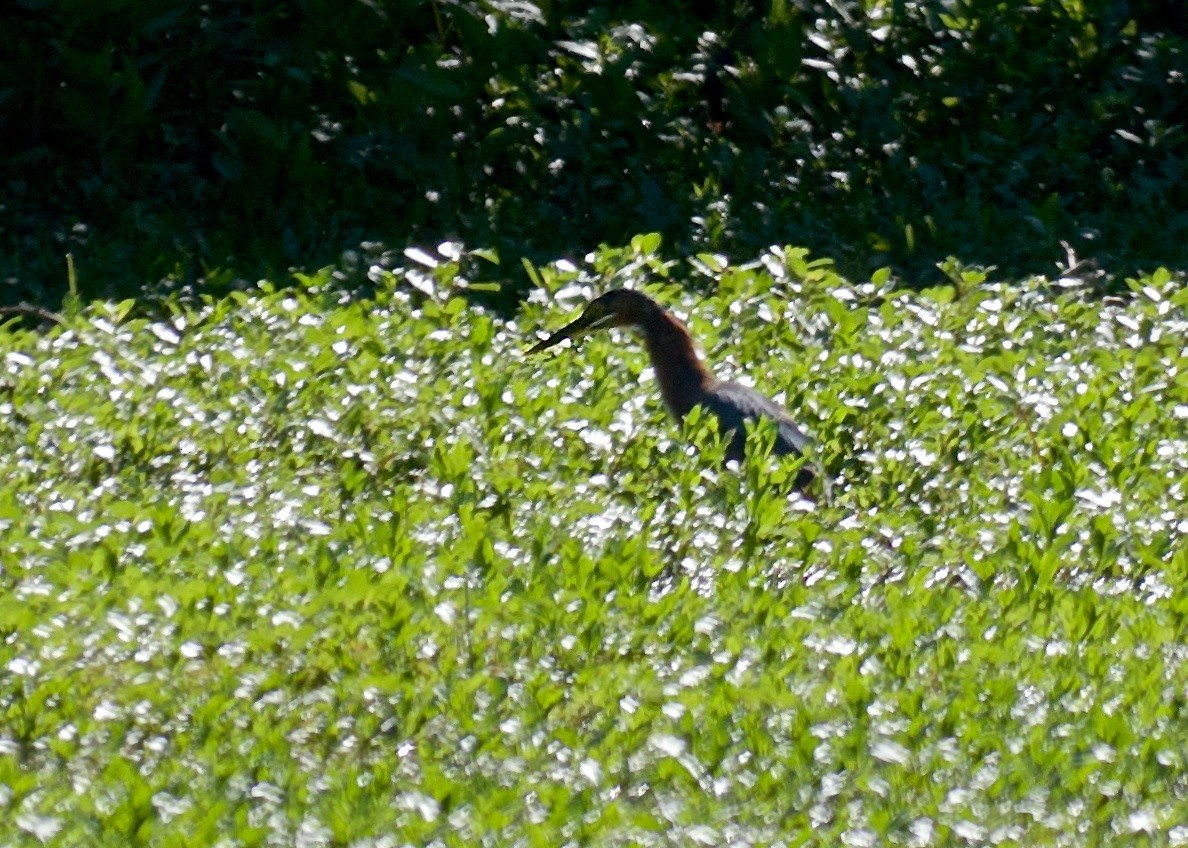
(329, 562)
(175, 138)
(293, 569)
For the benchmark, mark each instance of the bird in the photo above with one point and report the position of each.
(684, 380)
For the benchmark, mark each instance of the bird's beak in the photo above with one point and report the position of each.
(583, 326)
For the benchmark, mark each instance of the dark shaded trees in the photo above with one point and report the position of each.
(172, 138)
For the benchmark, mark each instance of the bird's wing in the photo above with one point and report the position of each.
(734, 404)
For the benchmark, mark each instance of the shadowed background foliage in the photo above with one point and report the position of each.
(204, 143)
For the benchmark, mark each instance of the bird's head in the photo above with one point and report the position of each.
(617, 308)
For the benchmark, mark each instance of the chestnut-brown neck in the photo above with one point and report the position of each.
(683, 379)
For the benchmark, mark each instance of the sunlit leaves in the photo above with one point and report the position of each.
(284, 568)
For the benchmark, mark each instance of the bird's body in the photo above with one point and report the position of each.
(684, 380)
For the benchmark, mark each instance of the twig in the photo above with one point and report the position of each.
(28, 310)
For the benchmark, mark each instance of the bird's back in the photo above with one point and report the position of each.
(735, 404)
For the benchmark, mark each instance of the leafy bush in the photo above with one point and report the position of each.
(178, 139)
(287, 569)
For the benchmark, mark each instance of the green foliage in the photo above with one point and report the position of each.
(284, 568)
(175, 139)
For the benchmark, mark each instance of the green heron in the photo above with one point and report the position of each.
(684, 380)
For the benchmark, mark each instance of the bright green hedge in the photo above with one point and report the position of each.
(287, 570)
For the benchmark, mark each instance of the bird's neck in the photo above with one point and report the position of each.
(679, 372)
